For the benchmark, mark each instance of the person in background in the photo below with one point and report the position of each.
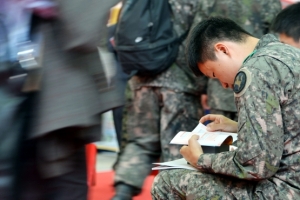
(162, 106)
(119, 113)
(287, 25)
(73, 92)
(263, 74)
(255, 17)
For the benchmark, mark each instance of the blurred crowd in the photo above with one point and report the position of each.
(60, 70)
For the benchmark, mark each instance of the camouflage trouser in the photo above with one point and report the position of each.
(189, 185)
(126, 110)
(157, 115)
(124, 135)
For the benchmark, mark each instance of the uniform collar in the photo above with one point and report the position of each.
(264, 41)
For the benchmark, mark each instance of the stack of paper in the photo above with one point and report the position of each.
(179, 163)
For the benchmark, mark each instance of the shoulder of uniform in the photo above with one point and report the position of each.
(241, 82)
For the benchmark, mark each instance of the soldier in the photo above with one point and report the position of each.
(286, 25)
(255, 17)
(264, 77)
(162, 106)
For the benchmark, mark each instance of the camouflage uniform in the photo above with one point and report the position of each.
(162, 106)
(254, 16)
(266, 162)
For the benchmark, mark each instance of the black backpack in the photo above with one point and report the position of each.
(145, 40)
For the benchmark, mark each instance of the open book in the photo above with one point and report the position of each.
(211, 142)
(205, 138)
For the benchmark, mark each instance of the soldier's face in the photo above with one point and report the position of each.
(289, 40)
(223, 70)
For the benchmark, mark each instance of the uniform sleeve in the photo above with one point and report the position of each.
(260, 129)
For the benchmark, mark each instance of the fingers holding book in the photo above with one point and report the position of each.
(192, 152)
(219, 123)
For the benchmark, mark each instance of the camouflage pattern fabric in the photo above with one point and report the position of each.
(255, 17)
(162, 106)
(150, 126)
(266, 162)
(127, 108)
(124, 134)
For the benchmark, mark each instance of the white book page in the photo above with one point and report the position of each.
(206, 138)
(177, 167)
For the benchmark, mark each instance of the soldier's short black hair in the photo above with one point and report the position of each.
(288, 22)
(201, 40)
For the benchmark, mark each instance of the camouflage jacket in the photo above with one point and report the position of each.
(269, 123)
(178, 77)
(254, 16)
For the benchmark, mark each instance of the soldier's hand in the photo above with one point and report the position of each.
(220, 123)
(192, 152)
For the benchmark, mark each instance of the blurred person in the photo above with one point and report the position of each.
(120, 113)
(15, 104)
(263, 74)
(287, 25)
(122, 76)
(162, 106)
(66, 104)
(255, 17)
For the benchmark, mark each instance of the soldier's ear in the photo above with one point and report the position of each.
(222, 51)
(221, 48)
